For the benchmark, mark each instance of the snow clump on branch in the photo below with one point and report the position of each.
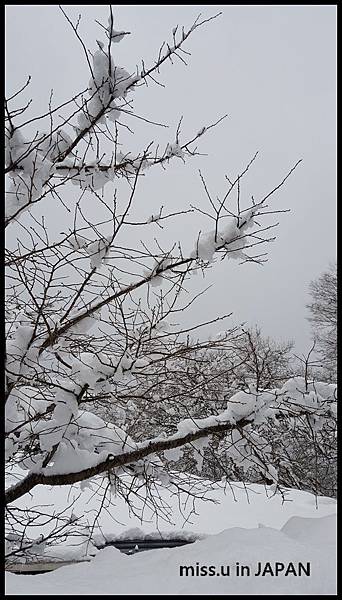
(108, 83)
(33, 171)
(232, 238)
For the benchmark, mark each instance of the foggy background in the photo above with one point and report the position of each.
(273, 70)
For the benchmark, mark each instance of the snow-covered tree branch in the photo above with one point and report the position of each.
(92, 312)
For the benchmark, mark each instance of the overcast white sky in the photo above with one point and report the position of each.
(273, 70)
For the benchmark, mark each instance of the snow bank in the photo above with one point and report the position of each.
(241, 505)
(158, 571)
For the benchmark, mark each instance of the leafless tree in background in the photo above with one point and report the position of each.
(323, 318)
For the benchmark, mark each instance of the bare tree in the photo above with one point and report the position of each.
(323, 318)
(92, 311)
(202, 382)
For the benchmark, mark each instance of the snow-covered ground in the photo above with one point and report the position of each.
(158, 571)
(243, 528)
